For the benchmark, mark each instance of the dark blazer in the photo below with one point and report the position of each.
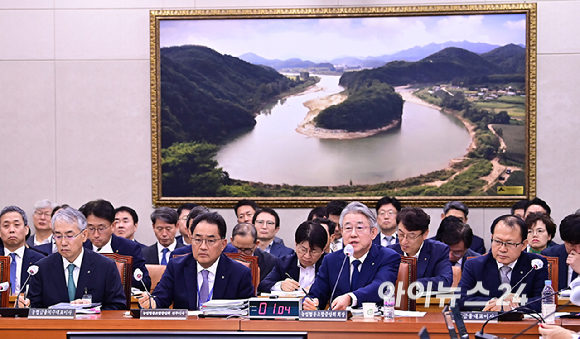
(266, 262)
(377, 239)
(46, 249)
(468, 253)
(380, 265)
(484, 269)
(187, 249)
(279, 249)
(433, 264)
(560, 252)
(98, 274)
(178, 285)
(287, 264)
(30, 258)
(128, 247)
(477, 245)
(151, 254)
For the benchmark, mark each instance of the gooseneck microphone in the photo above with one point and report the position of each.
(536, 265)
(138, 275)
(32, 270)
(348, 252)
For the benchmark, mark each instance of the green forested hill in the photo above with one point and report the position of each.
(510, 58)
(205, 95)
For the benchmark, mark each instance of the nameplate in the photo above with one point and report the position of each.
(323, 315)
(477, 316)
(163, 314)
(52, 313)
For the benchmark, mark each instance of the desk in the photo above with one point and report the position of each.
(434, 306)
(115, 321)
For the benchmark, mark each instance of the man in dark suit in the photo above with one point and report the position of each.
(13, 230)
(364, 272)
(67, 275)
(192, 280)
(164, 221)
(245, 240)
(41, 222)
(433, 264)
(100, 216)
(182, 213)
(299, 270)
(267, 223)
(126, 223)
(458, 236)
(387, 209)
(506, 264)
(460, 210)
(568, 254)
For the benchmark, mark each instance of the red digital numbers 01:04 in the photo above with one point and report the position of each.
(276, 310)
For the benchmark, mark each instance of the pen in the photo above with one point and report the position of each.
(302, 288)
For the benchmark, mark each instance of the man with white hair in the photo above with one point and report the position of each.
(364, 272)
(67, 275)
(42, 225)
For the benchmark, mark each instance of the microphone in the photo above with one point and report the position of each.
(348, 252)
(4, 286)
(32, 270)
(536, 265)
(138, 275)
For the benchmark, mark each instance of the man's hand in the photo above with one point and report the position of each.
(495, 305)
(341, 303)
(573, 261)
(289, 285)
(554, 332)
(144, 301)
(310, 304)
(22, 302)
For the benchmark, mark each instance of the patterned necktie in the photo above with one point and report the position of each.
(355, 273)
(13, 272)
(204, 290)
(72, 289)
(164, 256)
(504, 271)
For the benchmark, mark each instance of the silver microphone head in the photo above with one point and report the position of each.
(4, 286)
(537, 264)
(138, 274)
(32, 270)
(348, 250)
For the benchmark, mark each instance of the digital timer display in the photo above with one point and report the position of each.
(285, 308)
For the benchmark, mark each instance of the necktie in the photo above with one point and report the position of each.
(72, 289)
(99, 249)
(13, 272)
(504, 274)
(204, 290)
(355, 273)
(164, 256)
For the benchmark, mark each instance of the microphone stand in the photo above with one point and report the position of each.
(337, 279)
(21, 289)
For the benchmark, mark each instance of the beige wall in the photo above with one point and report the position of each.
(74, 103)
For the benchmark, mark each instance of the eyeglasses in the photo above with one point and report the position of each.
(261, 222)
(208, 242)
(303, 250)
(59, 237)
(40, 214)
(99, 229)
(457, 254)
(408, 236)
(246, 251)
(538, 231)
(508, 245)
(359, 229)
(382, 213)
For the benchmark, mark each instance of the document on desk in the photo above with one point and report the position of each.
(416, 314)
(93, 308)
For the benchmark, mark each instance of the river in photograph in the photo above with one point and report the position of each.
(274, 153)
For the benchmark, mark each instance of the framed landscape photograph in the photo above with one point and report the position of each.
(297, 107)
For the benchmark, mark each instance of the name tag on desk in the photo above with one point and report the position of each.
(163, 314)
(46, 313)
(323, 315)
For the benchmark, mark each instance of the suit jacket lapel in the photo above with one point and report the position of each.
(220, 283)
(344, 284)
(492, 278)
(519, 270)
(423, 260)
(85, 274)
(368, 268)
(190, 274)
(60, 281)
(293, 269)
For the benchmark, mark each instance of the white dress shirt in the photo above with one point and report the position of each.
(160, 248)
(210, 279)
(78, 262)
(19, 255)
(105, 249)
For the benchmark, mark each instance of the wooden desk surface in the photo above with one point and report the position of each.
(357, 327)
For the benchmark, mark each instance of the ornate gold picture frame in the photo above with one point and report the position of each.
(297, 107)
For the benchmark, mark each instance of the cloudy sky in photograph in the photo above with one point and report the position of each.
(326, 39)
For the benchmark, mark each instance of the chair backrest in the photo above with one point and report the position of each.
(553, 271)
(155, 272)
(250, 261)
(125, 267)
(4, 276)
(411, 303)
(456, 275)
(403, 281)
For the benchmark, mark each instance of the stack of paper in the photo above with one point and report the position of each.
(225, 307)
(93, 308)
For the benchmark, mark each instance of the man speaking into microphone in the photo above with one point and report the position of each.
(506, 264)
(349, 281)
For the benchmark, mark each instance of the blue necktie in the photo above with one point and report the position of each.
(355, 273)
(164, 256)
(72, 289)
(13, 272)
(204, 289)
